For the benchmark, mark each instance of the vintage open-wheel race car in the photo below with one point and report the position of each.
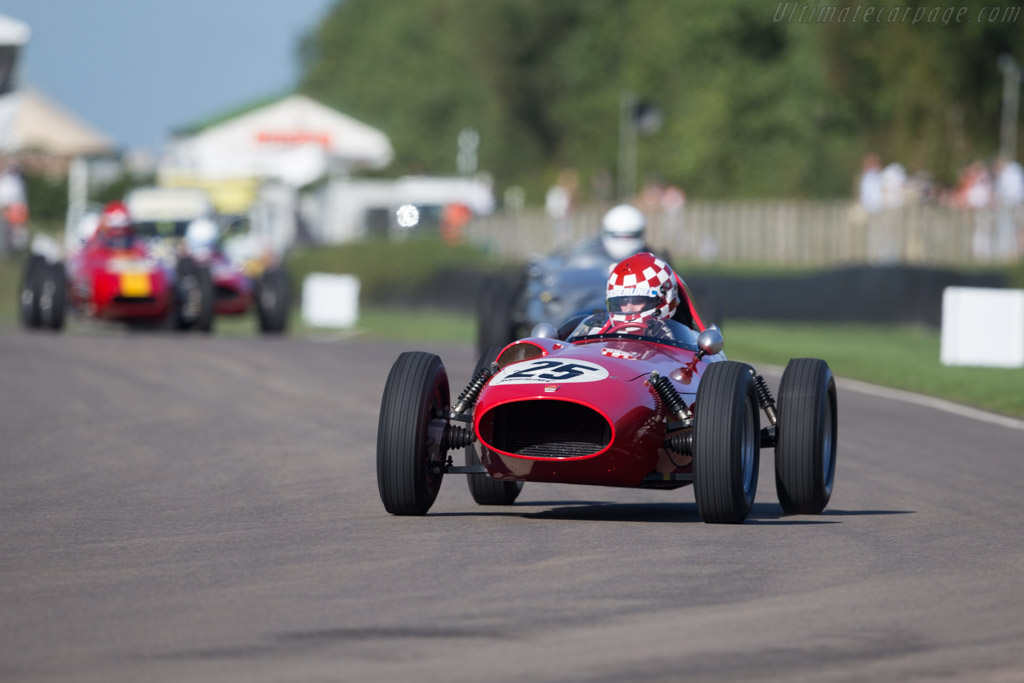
(609, 409)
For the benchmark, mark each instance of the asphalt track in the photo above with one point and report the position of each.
(206, 509)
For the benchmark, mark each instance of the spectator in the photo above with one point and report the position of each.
(1009, 194)
(871, 183)
(13, 210)
(893, 186)
(1009, 182)
(560, 201)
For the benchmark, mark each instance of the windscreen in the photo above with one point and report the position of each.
(600, 326)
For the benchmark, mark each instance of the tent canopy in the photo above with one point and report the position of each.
(295, 139)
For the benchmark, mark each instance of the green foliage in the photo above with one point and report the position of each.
(47, 197)
(754, 105)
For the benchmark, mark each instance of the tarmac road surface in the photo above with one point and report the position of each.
(206, 509)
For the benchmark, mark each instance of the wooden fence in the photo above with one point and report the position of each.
(783, 233)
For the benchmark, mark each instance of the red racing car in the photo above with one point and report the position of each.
(115, 277)
(244, 284)
(609, 409)
(643, 405)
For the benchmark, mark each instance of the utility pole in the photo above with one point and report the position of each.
(626, 185)
(1011, 101)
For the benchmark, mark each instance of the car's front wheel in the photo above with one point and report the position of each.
(726, 443)
(410, 457)
(29, 293)
(805, 450)
(195, 297)
(495, 310)
(53, 297)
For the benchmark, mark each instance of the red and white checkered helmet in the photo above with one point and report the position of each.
(642, 287)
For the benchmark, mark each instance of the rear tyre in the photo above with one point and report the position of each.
(31, 288)
(207, 308)
(484, 489)
(409, 434)
(726, 442)
(273, 301)
(805, 450)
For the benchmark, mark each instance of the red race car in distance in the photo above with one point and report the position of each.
(249, 281)
(115, 277)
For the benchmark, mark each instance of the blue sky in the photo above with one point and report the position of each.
(135, 69)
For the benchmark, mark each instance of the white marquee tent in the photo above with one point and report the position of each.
(295, 140)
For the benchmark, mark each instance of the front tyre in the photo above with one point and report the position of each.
(53, 298)
(805, 450)
(484, 489)
(410, 460)
(726, 443)
(195, 297)
(495, 311)
(30, 291)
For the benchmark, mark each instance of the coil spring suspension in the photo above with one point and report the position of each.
(681, 442)
(669, 395)
(457, 436)
(764, 397)
(469, 395)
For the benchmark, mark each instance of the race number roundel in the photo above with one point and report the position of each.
(550, 371)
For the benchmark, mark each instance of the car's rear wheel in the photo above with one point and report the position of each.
(726, 443)
(410, 460)
(805, 447)
(484, 489)
(31, 287)
(273, 301)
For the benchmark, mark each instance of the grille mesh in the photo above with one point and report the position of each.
(549, 429)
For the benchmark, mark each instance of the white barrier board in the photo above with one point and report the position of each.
(330, 300)
(982, 327)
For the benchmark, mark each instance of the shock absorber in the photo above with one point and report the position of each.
(469, 395)
(673, 401)
(764, 397)
(681, 442)
(456, 436)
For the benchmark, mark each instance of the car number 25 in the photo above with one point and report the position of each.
(550, 371)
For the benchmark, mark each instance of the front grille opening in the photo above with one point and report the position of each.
(549, 429)
(225, 293)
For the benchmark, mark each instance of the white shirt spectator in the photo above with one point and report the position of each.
(12, 189)
(894, 180)
(1010, 184)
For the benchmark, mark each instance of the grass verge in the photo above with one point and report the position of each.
(902, 357)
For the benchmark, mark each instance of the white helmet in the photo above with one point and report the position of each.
(201, 236)
(622, 231)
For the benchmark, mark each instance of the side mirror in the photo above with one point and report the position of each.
(710, 342)
(544, 330)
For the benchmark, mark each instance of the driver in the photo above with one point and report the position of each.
(622, 231)
(643, 292)
(115, 229)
